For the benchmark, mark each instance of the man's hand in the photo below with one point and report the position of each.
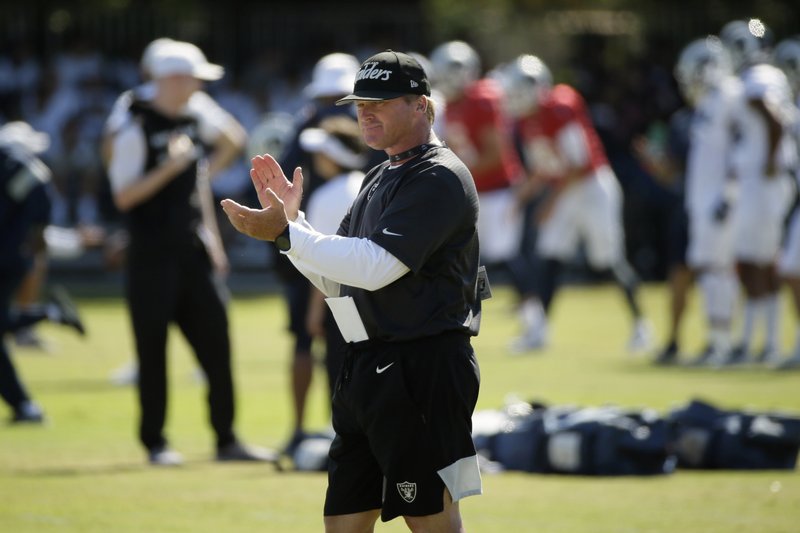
(263, 224)
(266, 174)
(182, 152)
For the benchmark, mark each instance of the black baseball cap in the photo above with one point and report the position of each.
(388, 75)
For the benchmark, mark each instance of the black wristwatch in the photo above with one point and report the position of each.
(282, 241)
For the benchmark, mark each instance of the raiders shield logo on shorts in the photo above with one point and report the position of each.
(408, 491)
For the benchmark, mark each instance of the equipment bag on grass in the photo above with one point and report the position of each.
(605, 441)
(707, 437)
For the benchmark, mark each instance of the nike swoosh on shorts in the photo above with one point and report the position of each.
(381, 370)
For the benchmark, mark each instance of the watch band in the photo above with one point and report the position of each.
(283, 241)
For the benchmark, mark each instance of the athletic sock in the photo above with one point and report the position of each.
(772, 318)
(720, 340)
(753, 309)
(628, 281)
(720, 289)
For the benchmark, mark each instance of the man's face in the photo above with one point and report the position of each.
(181, 86)
(386, 123)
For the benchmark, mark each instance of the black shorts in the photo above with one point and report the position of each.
(403, 419)
(298, 292)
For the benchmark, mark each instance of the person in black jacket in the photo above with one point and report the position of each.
(159, 169)
(401, 276)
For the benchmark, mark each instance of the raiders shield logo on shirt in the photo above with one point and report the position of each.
(408, 491)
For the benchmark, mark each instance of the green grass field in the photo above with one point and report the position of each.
(84, 471)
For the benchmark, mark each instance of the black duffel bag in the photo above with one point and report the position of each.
(706, 437)
(604, 441)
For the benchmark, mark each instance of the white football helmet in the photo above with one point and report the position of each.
(747, 41)
(787, 58)
(455, 65)
(525, 81)
(701, 65)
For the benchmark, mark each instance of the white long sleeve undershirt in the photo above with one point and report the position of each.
(329, 261)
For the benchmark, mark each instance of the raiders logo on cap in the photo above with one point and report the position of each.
(388, 75)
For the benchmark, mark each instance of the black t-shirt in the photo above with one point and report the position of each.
(171, 216)
(424, 213)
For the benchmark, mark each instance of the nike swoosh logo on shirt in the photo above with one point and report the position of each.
(381, 370)
(393, 234)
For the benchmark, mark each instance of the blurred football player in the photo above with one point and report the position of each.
(563, 153)
(705, 78)
(787, 58)
(664, 156)
(761, 161)
(477, 129)
(25, 209)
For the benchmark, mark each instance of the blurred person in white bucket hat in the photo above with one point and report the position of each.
(160, 56)
(161, 161)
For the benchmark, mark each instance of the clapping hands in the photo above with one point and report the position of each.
(279, 199)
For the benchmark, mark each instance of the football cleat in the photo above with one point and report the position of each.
(64, 310)
(790, 363)
(164, 456)
(534, 338)
(736, 356)
(28, 413)
(768, 356)
(703, 358)
(642, 336)
(667, 356)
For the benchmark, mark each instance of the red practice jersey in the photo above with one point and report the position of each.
(467, 118)
(546, 138)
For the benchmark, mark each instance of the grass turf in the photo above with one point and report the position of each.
(84, 471)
